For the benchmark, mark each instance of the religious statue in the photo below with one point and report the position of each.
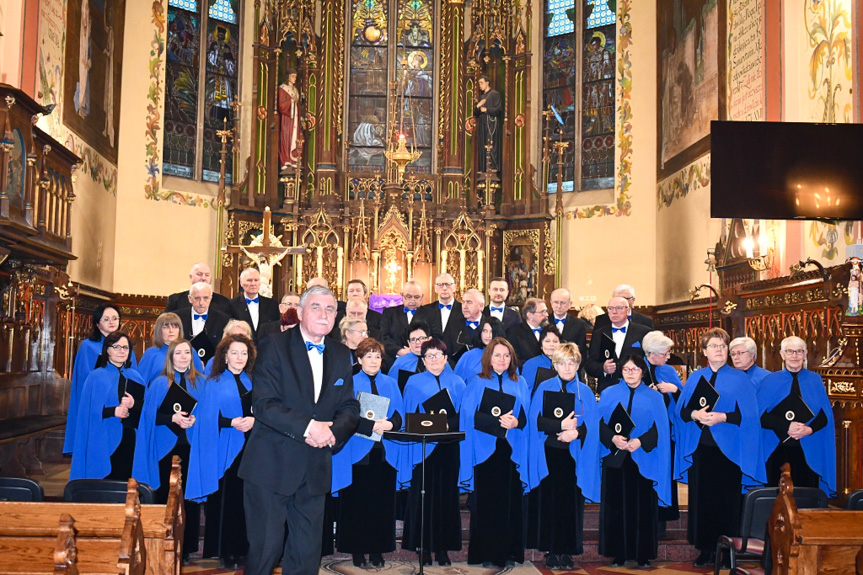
(220, 59)
(265, 268)
(855, 283)
(289, 123)
(109, 131)
(81, 97)
(488, 110)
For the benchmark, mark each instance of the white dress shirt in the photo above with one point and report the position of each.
(254, 311)
(618, 337)
(445, 313)
(559, 322)
(498, 313)
(317, 362)
(197, 324)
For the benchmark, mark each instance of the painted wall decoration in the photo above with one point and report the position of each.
(93, 70)
(691, 48)
(694, 177)
(828, 27)
(746, 60)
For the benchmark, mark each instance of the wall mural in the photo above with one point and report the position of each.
(690, 52)
(92, 73)
(623, 203)
(52, 42)
(694, 177)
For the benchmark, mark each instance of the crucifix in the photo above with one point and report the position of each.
(267, 251)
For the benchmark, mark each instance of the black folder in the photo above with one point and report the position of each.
(607, 347)
(203, 346)
(542, 374)
(136, 390)
(246, 401)
(441, 402)
(620, 422)
(704, 395)
(178, 400)
(792, 408)
(404, 375)
(425, 423)
(495, 403)
(557, 404)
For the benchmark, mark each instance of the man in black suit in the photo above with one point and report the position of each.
(627, 292)
(358, 308)
(524, 336)
(304, 406)
(200, 272)
(627, 338)
(202, 325)
(444, 316)
(498, 291)
(395, 320)
(251, 307)
(571, 328)
(289, 300)
(472, 302)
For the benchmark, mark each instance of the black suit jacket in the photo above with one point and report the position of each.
(511, 318)
(574, 331)
(635, 332)
(524, 342)
(394, 330)
(430, 313)
(639, 318)
(180, 300)
(269, 328)
(373, 320)
(283, 397)
(268, 310)
(213, 327)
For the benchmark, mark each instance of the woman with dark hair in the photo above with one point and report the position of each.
(717, 451)
(161, 435)
(562, 446)
(167, 330)
(549, 339)
(108, 415)
(364, 471)
(418, 333)
(224, 423)
(106, 319)
(470, 362)
(442, 531)
(635, 466)
(494, 459)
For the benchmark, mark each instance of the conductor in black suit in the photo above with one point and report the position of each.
(444, 316)
(627, 292)
(200, 272)
(395, 320)
(201, 317)
(627, 338)
(524, 336)
(498, 291)
(572, 329)
(252, 307)
(303, 401)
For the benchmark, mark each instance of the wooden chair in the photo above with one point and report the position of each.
(855, 501)
(20, 489)
(104, 491)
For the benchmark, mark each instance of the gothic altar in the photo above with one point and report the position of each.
(366, 127)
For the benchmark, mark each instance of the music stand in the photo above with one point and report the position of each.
(424, 438)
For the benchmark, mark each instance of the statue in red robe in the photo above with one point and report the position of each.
(289, 122)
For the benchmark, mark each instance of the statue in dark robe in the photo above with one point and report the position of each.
(488, 112)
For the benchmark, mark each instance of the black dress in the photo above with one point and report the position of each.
(672, 512)
(225, 530)
(122, 457)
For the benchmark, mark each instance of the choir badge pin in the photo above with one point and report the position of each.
(618, 428)
(495, 411)
(607, 354)
(370, 414)
(202, 352)
(177, 407)
(442, 411)
(702, 401)
(789, 415)
(558, 412)
(426, 423)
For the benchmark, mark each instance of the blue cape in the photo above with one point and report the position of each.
(531, 366)
(469, 364)
(820, 447)
(648, 409)
(419, 388)
(586, 456)
(96, 439)
(153, 441)
(667, 374)
(358, 447)
(153, 363)
(406, 362)
(735, 388)
(757, 374)
(215, 448)
(478, 445)
(85, 361)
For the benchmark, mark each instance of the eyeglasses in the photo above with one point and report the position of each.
(418, 339)
(715, 346)
(501, 356)
(631, 370)
(739, 353)
(628, 298)
(795, 351)
(617, 307)
(433, 356)
(445, 284)
(362, 331)
(110, 318)
(116, 347)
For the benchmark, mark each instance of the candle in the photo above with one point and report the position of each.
(341, 255)
(461, 266)
(479, 255)
(443, 256)
(320, 251)
(299, 272)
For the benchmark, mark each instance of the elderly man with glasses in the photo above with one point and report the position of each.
(627, 292)
(625, 334)
(444, 316)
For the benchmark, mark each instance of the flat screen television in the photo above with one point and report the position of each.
(786, 170)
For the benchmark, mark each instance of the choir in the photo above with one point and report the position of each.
(538, 441)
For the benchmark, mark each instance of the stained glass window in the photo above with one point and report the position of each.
(591, 45)
(200, 35)
(415, 69)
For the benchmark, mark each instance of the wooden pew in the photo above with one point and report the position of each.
(161, 526)
(813, 541)
(26, 555)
